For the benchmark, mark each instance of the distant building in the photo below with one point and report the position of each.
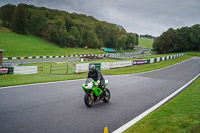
(1, 56)
(109, 50)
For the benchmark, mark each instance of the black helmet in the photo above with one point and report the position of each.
(91, 68)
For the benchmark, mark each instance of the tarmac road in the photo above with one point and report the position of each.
(59, 107)
(17, 62)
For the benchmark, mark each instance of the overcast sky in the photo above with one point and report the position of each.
(138, 16)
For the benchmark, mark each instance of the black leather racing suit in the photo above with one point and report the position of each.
(96, 75)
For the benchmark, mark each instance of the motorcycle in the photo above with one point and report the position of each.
(94, 94)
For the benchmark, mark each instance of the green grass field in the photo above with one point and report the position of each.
(180, 115)
(145, 43)
(17, 45)
(193, 53)
(146, 67)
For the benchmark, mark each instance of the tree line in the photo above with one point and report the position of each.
(179, 40)
(147, 36)
(65, 29)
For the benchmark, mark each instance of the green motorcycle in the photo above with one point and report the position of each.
(93, 93)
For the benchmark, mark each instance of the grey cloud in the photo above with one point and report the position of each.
(139, 16)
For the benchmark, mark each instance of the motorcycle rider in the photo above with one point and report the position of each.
(96, 76)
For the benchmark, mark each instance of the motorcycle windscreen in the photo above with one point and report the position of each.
(88, 80)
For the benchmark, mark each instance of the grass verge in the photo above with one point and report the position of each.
(180, 115)
(147, 67)
(9, 80)
(145, 43)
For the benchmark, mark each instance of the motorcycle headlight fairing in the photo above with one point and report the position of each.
(89, 86)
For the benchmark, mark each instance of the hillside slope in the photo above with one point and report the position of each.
(145, 43)
(28, 45)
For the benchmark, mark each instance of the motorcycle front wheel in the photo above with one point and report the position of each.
(88, 100)
(106, 96)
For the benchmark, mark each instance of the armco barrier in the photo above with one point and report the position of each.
(158, 59)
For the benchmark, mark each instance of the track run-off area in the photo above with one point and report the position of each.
(59, 107)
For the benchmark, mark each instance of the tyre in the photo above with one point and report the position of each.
(88, 100)
(106, 96)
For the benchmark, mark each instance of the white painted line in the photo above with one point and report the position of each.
(139, 117)
(1, 88)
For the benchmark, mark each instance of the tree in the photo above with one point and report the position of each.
(195, 37)
(37, 24)
(164, 43)
(74, 37)
(65, 29)
(182, 39)
(6, 14)
(167, 40)
(121, 41)
(19, 23)
(131, 40)
(156, 44)
(91, 39)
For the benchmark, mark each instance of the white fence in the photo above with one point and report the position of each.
(104, 66)
(25, 70)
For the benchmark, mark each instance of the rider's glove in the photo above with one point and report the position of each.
(98, 81)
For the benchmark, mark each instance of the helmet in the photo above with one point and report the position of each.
(91, 68)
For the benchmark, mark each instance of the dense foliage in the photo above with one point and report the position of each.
(183, 39)
(65, 29)
(147, 36)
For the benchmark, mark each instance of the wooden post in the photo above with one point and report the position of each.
(50, 68)
(67, 68)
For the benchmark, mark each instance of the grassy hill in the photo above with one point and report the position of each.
(146, 43)
(28, 45)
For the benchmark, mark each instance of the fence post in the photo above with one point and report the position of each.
(67, 68)
(50, 68)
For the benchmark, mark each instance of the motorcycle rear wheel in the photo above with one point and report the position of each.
(88, 100)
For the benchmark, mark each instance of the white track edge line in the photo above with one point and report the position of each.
(1, 88)
(139, 117)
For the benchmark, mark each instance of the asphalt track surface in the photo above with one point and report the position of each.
(17, 62)
(59, 107)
